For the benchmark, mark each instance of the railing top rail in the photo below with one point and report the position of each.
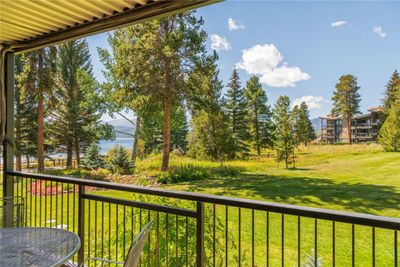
(318, 213)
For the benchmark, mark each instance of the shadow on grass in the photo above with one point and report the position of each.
(365, 198)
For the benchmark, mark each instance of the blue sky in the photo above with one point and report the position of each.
(300, 49)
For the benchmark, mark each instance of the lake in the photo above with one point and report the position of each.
(104, 147)
(107, 145)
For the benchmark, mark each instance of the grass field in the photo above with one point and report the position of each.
(358, 178)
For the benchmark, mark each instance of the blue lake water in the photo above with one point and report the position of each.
(107, 145)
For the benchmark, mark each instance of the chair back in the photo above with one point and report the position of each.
(132, 259)
(12, 212)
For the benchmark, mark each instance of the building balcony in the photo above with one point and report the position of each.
(193, 229)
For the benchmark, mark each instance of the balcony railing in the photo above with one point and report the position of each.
(193, 229)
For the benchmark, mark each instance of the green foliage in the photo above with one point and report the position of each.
(259, 115)
(284, 144)
(118, 161)
(392, 88)
(303, 129)
(93, 159)
(346, 100)
(209, 137)
(75, 120)
(389, 134)
(157, 56)
(182, 174)
(236, 109)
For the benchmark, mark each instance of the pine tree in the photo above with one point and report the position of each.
(389, 134)
(304, 130)
(392, 87)
(77, 107)
(159, 55)
(118, 160)
(259, 115)
(93, 159)
(235, 107)
(208, 137)
(284, 144)
(346, 100)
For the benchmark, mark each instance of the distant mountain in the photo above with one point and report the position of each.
(316, 123)
(122, 126)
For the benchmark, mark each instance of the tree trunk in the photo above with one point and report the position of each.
(166, 133)
(40, 137)
(135, 141)
(77, 152)
(257, 132)
(349, 128)
(28, 165)
(69, 154)
(18, 159)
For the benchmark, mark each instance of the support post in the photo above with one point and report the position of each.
(200, 235)
(8, 144)
(81, 224)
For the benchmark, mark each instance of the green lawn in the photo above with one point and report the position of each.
(359, 178)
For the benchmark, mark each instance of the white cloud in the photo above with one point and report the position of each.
(379, 31)
(265, 60)
(233, 25)
(338, 23)
(313, 102)
(219, 43)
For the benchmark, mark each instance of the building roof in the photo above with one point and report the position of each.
(30, 24)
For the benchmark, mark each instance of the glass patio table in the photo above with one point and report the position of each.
(31, 246)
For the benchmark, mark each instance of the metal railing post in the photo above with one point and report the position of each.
(200, 235)
(7, 114)
(81, 224)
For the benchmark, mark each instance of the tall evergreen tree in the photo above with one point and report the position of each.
(284, 144)
(208, 137)
(389, 134)
(236, 109)
(259, 115)
(77, 109)
(159, 56)
(304, 130)
(346, 100)
(392, 87)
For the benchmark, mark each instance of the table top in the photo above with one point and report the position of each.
(28, 246)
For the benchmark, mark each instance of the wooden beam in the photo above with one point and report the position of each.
(135, 15)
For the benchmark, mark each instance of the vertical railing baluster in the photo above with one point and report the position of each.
(298, 241)
(226, 236)
(333, 244)
(283, 240)
(166, 239)
(200, 235)
(102, 229)
(81, 223)
(88, 229)
(252, 238)
(316, 242)
(124, 241)
(239, 236)
(187, 243)
(148, 240)
(95, 229)
(267, 238)
(352, 246)
(116, 232)
(373, 247)
(214, 233)
(158, 240)
(176, 240)
(396, 262)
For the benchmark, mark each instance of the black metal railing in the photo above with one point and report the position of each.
(204, 230)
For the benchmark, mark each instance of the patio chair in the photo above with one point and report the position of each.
(12, 206)
(132, 259)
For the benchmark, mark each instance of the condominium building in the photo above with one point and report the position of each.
(364, 128)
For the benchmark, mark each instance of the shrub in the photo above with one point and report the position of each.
(93, 159)
(118, 161)
(182, 174)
